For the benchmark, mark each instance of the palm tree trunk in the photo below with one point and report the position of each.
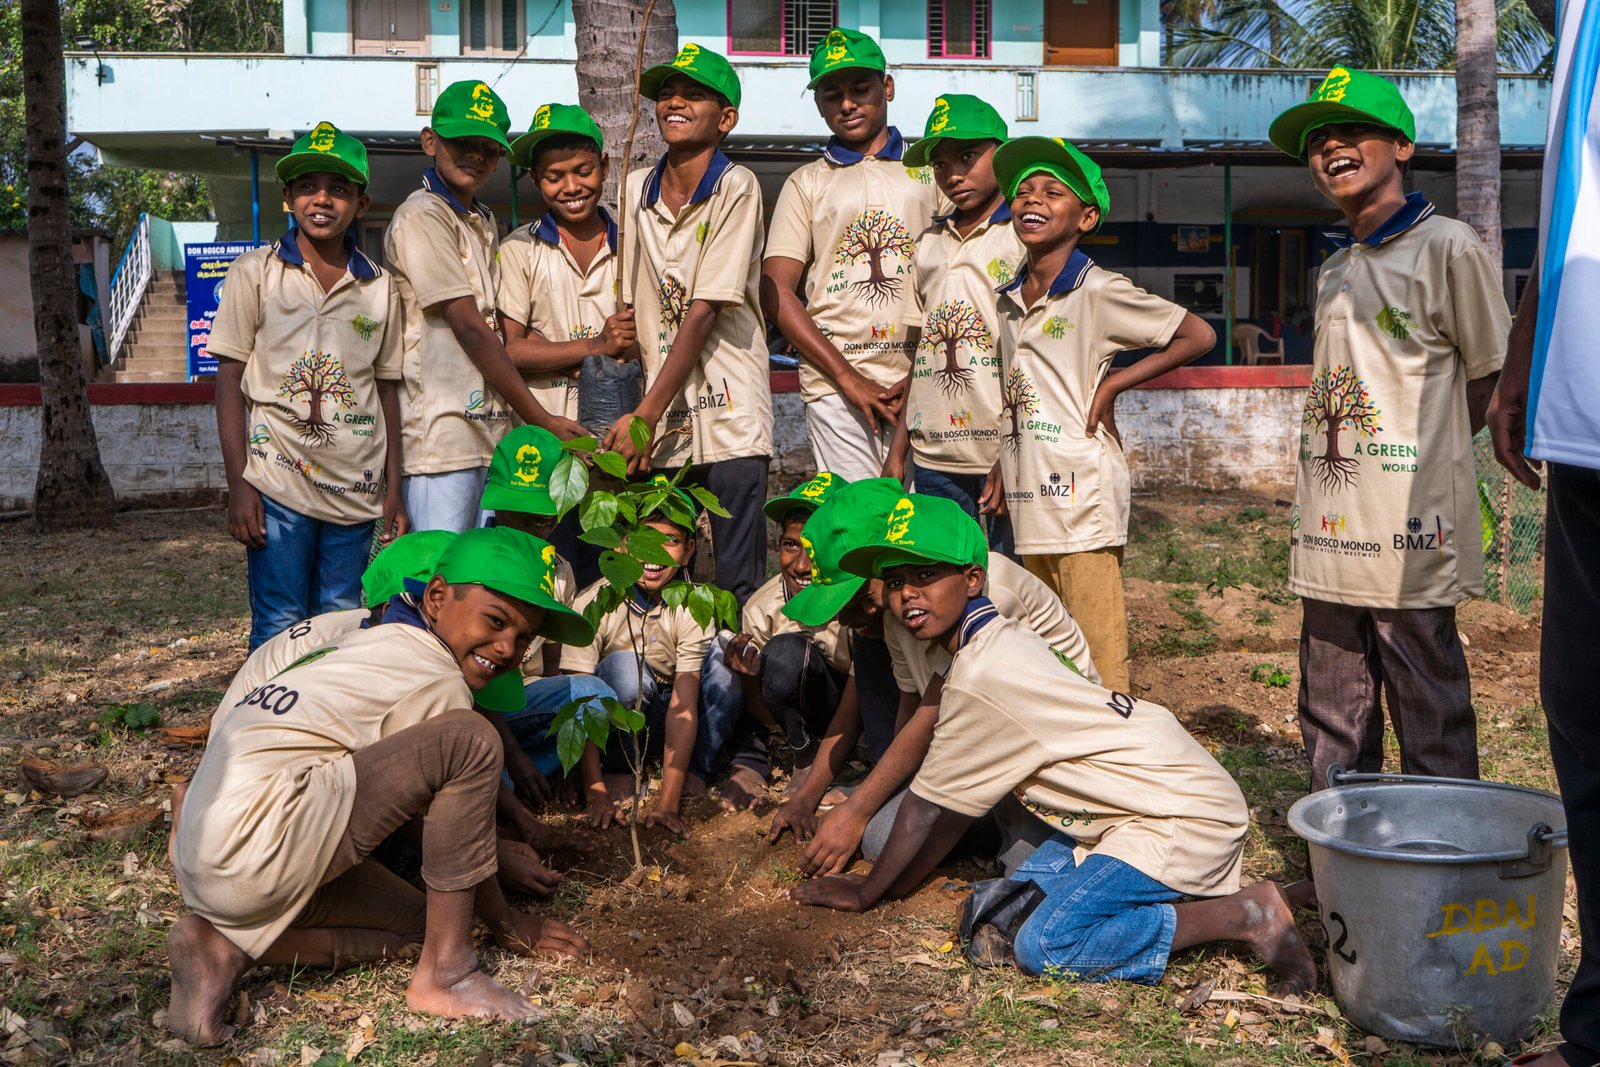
(72, 488)
(608, 41)
(1478, 123)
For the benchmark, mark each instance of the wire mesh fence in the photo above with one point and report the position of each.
(1511, 517)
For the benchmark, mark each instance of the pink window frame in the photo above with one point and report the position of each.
(942, 54)
(783, 31)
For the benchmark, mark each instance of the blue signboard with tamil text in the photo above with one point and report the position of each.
(204, 268)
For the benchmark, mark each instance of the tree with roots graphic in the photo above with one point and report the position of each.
(948, 326)
(1338, 399)
(674, 301)
(313, 377)
(1018, 397)
(870, 237)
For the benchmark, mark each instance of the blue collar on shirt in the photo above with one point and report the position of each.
(435, 185)
(1001, 214)
(840, 156)
(1071, 276)
(703, 191)
(547, 230)
(358, 264)
(404, 609)
(1416, 208)
(980, 613)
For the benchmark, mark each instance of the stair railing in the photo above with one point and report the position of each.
(128, 284)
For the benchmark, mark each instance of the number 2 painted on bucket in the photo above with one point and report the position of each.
(1344, 935)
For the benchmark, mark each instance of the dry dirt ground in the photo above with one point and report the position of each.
(702, 960)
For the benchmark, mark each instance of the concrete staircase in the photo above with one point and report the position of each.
(157, 348)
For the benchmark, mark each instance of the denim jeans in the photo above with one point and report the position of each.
(446, 501)
(801, 689)
(545, 697)
(1099, 921)
(308, 567)
(965, 489)
(721, 706)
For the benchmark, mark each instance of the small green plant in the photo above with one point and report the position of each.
(1251, 514)
(141, 718)
(1271, 675)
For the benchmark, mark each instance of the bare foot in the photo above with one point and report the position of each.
(1301, 894)
(833, 798)
(178, 792)
(619, 787)
(743, 789)
(1271, 932)
(474, 995)
(693, 784)
(204, 967)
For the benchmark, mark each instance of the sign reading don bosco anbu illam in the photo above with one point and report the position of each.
(204, 268)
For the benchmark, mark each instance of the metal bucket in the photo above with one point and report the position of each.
(1442, 899)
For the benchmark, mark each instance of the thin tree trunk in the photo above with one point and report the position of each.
(1478, 123)
(72, 488)
(607, 41)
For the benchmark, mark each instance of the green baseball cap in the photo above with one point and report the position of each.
(709, 68)
(519, 565)
(921, 529)
(470, 109)
(958, 117)
(844, 49)
(519, 472)
(1345, 95)
(413, 555)
(325, 148)
(554, 120)
(1026, 156)
(852, 517)
(807, 496)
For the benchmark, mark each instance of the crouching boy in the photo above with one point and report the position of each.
(1152, 817)
(313, 769)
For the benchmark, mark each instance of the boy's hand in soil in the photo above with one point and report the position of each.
(531, 785)
(795, 817)
(531, 935)
(668, 820)
(521, 870)
(601, 813)
(549, 839)
(834, 843)
(842, 892)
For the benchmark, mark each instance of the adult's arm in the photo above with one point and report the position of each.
(1508, 411)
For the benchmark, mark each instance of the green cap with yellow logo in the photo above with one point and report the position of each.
(1345, 95)
(470, 109)
(325, 148)
(808, 496)
(844, 49)
(412, 555)
(958, 117)
(921, 529)
(701, 64)
(518, 565)
(1026, 156)
(853, 516)
(519, 472)
(555, 120)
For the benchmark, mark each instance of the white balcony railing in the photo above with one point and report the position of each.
(128, 284)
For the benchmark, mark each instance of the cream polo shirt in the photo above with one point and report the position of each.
(1120, 776)
(763, 619)
(673, 642)
(316, 437)
(278, 652)
(1017, 594)
(854, 220)
(1067, 492)
(711, 251)
(439, 250)
(274, 789)
(566, 591)
(953, 401)
(542, 287)
(1386, 495)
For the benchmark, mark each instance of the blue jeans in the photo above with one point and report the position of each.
(447, 501)
(965, 489)
(1099, 921)
(545, 697)
(308, 567)
(721, 707)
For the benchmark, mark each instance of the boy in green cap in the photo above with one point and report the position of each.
(845, 229)
(1411, 326)
(311, 770)
(949, 428)
(1153, 817)
(308, 341)
(1062, 475)
(443, 245)
(693, 228)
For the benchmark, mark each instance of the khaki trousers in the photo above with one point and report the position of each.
(1090, 585)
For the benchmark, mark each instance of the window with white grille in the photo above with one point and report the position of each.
(959, 29)
(779, 27)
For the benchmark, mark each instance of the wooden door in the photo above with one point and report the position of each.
(389, 27)
(1081, 33)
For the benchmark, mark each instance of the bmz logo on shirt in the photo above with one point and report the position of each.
(1067, 490)
(1418, 539)
(900, 522)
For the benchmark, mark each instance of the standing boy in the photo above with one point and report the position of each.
(950, 424)
(308, 339)
(1062, 319)
(845, 228)
(460, 386)
(1411, 333)
(693, 233)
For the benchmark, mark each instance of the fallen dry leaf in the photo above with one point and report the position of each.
(124, 826)
(184, 736)
(48, 776)
(1198, 996)
(364, 1036)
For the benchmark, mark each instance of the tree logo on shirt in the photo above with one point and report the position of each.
(674, 299)
(1056, 326)
(363, 326)
(314, 377)
(1001, 270)
(949, 326)
(528, 459)
(1338, 400)
(1018, 397)
(1396, 323)
(871, 237)
(900, 522)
